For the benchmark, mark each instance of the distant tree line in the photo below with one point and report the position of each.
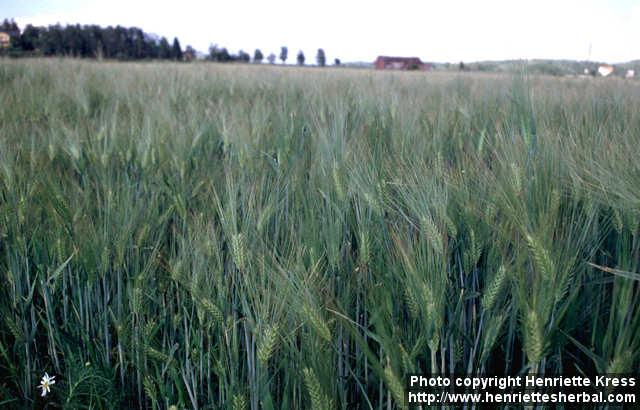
(126, 43)
(123, 43)
(222, 55)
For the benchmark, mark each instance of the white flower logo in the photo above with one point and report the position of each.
(45, 383)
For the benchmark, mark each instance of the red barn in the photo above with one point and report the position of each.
(400, 63)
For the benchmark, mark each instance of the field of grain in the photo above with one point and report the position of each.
(231, 236)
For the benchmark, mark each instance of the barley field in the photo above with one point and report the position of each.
(232, 236)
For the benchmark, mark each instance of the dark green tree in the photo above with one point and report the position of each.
(243, 56)
(257, 56)
(284, 53)
(213, 52)
(176, 50)
(300, 58)
(30, 38)
(271, 58)
(52, 41)
(224, 56)
(89, 41)
(219, 54)
(337, 62)
(164, 50)
(321, 59)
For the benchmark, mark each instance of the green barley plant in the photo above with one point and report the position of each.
(232, 236)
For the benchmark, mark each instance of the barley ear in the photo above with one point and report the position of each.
(338, 184)
(212, 310)
(541, 258)
(432, 233)
(492, 291)
(267, 343)
(620, 363)
(534, 337)
(395, 387)
(412, 304)
(150, 390)
(237, 251)
(318, 324)
(319, 401)
(239, 402)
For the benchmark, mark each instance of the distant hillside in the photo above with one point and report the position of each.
(359, 64)
(536, 66)
(544, 67)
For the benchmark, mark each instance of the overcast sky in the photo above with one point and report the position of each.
(446, 30)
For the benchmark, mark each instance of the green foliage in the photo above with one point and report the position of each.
(321, 58)
(284, 53)
(258, 56)
(89, 41)
(174, 236)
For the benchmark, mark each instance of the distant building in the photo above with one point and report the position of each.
(189, 54)
(5, 39)
(400, 63)
(605, 70)
(630, 74)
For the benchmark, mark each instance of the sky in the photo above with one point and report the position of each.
(354, 30)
